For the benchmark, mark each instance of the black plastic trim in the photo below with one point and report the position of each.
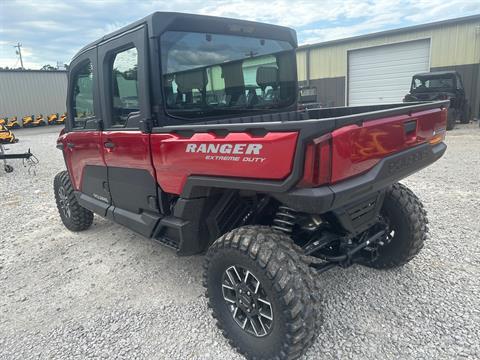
(95, 183)
(143, 223)
(92, 204)
(386, 172)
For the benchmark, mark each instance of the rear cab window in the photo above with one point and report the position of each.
(225, 75)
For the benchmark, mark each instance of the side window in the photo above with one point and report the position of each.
(82, 102)
(124, 86)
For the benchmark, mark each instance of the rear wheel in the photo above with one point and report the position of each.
(465, 117)
(451, 119)
(407, 231)
(262, 293)
(74, 216)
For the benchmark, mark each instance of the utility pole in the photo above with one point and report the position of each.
(19, 52)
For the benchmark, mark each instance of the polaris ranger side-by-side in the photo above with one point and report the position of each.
(442, 85)
(185, 129)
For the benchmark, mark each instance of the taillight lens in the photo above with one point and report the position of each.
(318, 162)
(440, 130)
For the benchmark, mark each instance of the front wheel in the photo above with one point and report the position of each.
(407, 221)
(74, 216)
(262, 293)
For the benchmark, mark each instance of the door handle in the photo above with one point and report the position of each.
(109, 145)
(70, 145)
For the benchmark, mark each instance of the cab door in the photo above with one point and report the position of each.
(83, 146)
(126, 148)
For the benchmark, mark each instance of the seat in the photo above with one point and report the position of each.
(268, 76)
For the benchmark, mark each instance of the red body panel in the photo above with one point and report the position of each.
(171, 159)
(174, 161)
(356, 149)
(87, 150)
(131, 150)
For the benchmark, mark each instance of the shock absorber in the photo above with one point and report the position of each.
(284, 219)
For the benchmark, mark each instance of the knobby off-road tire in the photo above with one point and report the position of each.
(286, 281)
(407, 220)
(465, 117)
(74, 216)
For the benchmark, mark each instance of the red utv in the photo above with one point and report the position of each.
(185, 129)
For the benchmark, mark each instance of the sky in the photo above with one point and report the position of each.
(53, 31)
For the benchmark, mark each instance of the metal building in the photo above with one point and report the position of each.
(32, 92)
(377, 68)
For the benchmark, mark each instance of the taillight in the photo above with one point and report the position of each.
(318, 162)
(439, 131)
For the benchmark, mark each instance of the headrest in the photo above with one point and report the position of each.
(267, 76)
(187, 81)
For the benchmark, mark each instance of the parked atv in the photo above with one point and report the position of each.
(32, 121)
(307, 98)
(12, 123)
(441, 85)
(39, 121)
(27, 121)
(7, 136)
(52, 119)
(210, 154)
(61, 120)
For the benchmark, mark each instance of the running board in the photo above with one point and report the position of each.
(172, 244)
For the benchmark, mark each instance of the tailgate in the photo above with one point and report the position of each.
(356, 149)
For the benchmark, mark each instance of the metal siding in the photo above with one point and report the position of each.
(452, 44)
(301, 65)
(32, 93)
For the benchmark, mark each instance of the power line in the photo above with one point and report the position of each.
(19, 53)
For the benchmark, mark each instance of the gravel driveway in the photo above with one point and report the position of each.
(109, 293)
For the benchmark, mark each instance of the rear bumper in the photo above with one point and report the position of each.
(388, 171)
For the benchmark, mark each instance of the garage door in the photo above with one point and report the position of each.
(382, 74)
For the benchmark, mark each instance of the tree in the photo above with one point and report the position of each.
(47, 67)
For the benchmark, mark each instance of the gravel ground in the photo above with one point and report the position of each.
(109, 293)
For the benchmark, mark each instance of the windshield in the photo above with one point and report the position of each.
(429, 83)
(213, 74)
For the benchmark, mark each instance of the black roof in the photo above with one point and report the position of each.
(436, 73)
(158, 21)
